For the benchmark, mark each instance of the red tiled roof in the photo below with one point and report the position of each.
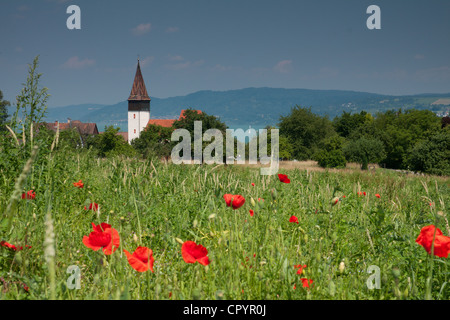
(182, 111)
(168, 122)
(162, 122)
(123, 134)
(83, 128)
(138, 91)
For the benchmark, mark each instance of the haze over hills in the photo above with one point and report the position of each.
(256, 107)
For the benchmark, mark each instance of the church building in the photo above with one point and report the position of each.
(139, 109)
(138, 106)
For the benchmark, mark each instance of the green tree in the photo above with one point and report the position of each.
(31, 103)
(154, 141)
(346, 123)
(208, 122)
(3, 112)
(285, 149)
(432, 155)
(304, 131)
(364, 151)
(109, 143)
(399, 131)
(16, 146)
(331, 154)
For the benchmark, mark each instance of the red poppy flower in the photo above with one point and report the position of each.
(8, 245)
(377, 195)
(293, 219)
(364, 193)
(300, 268)
(253, 184)
(193, 252)
(260, 199)
(141, 260)
(306, 282)
(343, 196)
(29, 195)
(284, 178)
(251, 212)
(11, 246)
(79, 184)
(441, 243)
(103, 237)
(92, 206)
(236, 201)
(228, 197)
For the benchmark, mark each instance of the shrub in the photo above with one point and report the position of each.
(432, 155)
(331, 159)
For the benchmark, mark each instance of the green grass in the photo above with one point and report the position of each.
(251, 257)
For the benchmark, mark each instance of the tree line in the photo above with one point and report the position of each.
(411, 139)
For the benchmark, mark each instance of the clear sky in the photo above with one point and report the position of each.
(191, 45)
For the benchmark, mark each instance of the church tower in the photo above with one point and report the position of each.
(138, 106)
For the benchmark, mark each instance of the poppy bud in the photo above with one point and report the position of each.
(396, 272)
(135, 238)
(179, 240)
(252, 201)
(335, 201)
(274, 193)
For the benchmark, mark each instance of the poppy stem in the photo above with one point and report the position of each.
(429, 282)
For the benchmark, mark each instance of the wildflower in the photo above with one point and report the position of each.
(11, 246)
(284, 178)
(30, 195)
(141, 260)
(253, 184)
(300, 268)
(335, 201)
(441, 243)
(92, 206)
(192, 253)
(306, 282)
(103, 237)
(293, 219)
(251, 212)
(236, 201)
(377, 195)
(79, 184)
(228, 197)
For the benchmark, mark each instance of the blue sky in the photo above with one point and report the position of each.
(187, 46)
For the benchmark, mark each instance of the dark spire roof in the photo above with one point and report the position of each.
(138, 91)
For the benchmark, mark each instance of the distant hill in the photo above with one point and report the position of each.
(257, 107)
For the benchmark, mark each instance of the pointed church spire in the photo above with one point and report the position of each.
(138, 91)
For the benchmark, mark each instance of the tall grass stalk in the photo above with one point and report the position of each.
(18, 189)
